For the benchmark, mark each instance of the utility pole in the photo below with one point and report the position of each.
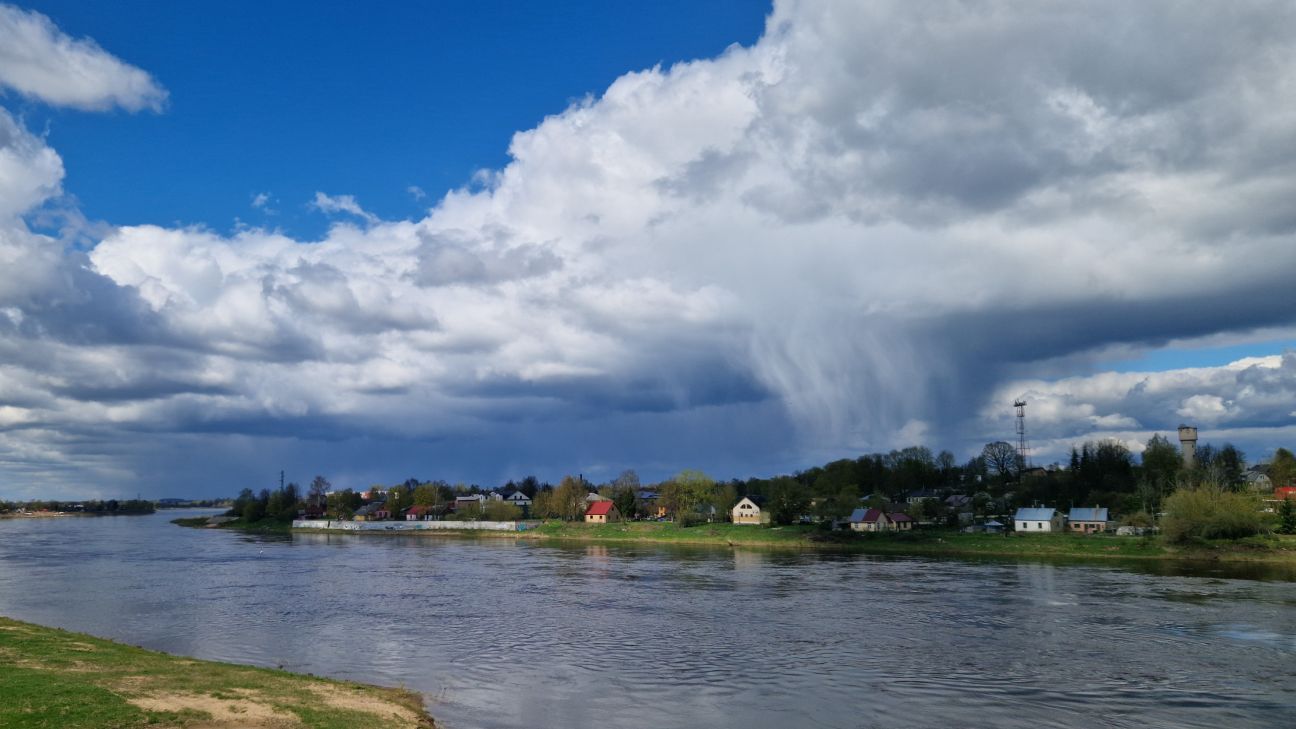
(281, 484)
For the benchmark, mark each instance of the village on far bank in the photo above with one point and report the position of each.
(1103, 489)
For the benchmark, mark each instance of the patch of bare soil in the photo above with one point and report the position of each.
(245, 713)
(350, 700)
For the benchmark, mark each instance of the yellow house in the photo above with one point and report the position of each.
(747, 511)
(602, 512)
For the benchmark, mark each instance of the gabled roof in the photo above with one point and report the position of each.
(368, 509)
(600, 508)
(866, 516)
(1035, 514)
(1095, 514)
(899, 516)
(750, 499)
(517, 496)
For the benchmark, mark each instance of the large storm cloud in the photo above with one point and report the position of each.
(852, 235)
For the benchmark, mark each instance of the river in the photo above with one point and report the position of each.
(499, 633)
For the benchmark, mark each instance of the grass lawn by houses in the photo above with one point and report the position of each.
(938, 542)
(54, 679)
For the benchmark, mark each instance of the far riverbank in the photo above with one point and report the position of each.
(935, 543)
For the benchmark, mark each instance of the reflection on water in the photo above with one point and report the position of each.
(498, 633)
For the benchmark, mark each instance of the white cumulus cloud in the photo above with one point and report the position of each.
(39, 60)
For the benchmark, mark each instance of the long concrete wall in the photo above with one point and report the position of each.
(408, 526)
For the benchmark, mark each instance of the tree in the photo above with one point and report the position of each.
(501, 511)
(569, 499)
(1161, 461)
(626, 499)
(1282, 469)
(398, 500)
(1228, 465)
(786, 501)
(1210, 511)
(1287, 516)
(1001, 458)
(319, 488)
(686, 491)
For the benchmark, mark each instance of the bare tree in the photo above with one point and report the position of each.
(1001, 458)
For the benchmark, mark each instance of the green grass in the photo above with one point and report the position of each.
(935, 542)
(54, 679)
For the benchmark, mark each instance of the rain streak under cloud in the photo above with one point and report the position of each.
(861, 232)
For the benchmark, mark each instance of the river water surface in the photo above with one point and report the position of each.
(498, 633)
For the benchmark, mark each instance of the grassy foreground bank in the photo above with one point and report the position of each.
(54, 679)
(927, 542)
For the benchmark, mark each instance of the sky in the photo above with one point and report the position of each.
(476, 241)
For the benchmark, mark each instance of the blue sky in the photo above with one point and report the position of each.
(370, 99)
(474, 241)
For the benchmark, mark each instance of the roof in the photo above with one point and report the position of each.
(418, 509)
(645, 494)
(1035, 514)
(370, 508)
(600, 508)
(900, 516)
(865, 516)
(750, 499)
(1095, 514)
(517, 496)
(958, 500)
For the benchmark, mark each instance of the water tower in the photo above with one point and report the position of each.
(1188, 442)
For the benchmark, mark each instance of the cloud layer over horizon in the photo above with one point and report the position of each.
(862, 232)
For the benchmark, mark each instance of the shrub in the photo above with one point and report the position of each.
(1210, 512)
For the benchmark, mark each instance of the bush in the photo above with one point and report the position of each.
(1209, 512)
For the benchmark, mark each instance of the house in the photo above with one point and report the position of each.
(921, 495)
(470, 504)
(877, 520)
(1046, 519)
(376, 511)
(518, 498)
(958, 501)
(748, 511)
(900, 521)
(418, 512)
(1258, 481)
(602, 512)
(649, 504)
(990, 527)
(1087, 521)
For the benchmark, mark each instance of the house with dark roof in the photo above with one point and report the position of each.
(602, 512)
(1087, 521)
(921, 495)
(518, 498)
(1037, 520)
(877, 520)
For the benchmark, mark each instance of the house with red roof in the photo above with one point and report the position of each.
(602, 512)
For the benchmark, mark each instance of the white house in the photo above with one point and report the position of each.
(1038, 520)
(747, 511)
(518, 498)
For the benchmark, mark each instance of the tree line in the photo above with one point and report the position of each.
(1097, 473)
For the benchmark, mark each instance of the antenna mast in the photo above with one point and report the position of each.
(1023, 454)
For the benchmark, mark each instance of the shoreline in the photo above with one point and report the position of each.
(1099, 548)
(55, 677)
